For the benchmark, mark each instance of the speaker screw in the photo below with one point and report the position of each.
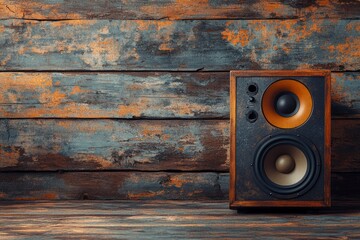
(270, 194)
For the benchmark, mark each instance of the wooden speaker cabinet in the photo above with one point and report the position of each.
(280, 138)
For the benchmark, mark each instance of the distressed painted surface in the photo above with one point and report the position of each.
(156, 149)
(169, 220)
(139, 95)
(123, 208)
(110, 144)
(180, 45)
(120, 95)
(188, 145)
(141, 185)
(177, 9)
(345, 94)
(113, 185)
(345, 145)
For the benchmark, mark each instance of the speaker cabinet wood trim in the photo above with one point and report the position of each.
(326, 201)
(327, 173)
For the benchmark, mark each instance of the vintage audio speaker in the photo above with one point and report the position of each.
(280, 139)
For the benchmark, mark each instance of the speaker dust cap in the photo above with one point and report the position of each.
(287, 104)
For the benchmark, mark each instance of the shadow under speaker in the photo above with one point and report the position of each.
(280, 138)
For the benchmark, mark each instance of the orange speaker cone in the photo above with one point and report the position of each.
(287, 104)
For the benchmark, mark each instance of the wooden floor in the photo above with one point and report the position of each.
(169, 219)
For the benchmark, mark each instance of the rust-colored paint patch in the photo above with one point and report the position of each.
(154, 132)
(187, 108)
(187, 9)
(101, 52)
(52, 100)
(147, 132)
(44, 196)
(35, 9)
(350, 49)
(156, 25)
(236, 38)
(165, 47)
(159, 30)
(3, 195)
(145, 195)
(15, 84)
(9, 156)
(5, 60)
(57, 98)
(71, 22)
(85, 128)
(99, 161)
(338, 93)
(270, 6)
(176, 181)
(49, 196)
(77, 90)
(134, 109)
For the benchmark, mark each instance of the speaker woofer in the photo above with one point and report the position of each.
(287, 104)
(286, 166)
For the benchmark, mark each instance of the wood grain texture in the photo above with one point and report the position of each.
(139, 95)
(142, 185)
(345, 154)
(345, 94)
(167, 220)
(112, 185)
(148, 145)
(148, 207)
(110, 144)
(171, 9)
(115, 95)
(179, 45)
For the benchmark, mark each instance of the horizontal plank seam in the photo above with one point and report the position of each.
(334, 117)
(61, 171)
(143, 71)
(122, 119)
(301, 18)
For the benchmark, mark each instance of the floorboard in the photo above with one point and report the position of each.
(165, 219)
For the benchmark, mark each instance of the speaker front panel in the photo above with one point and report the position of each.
(279, 139)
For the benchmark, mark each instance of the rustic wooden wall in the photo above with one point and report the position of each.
(120, 100)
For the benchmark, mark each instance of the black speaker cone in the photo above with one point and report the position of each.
(286, 104)
(286, 166)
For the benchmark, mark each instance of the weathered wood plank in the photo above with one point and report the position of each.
(110, 144)
(123, 208)
(141, 185)
(345, 94)
(168, 219)
(172, 227)
(139, 95)
(112, 185)
(187, 145)
(345, 153)
(164, 220)
(170, 9)
(179, 45)
(117, 95)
